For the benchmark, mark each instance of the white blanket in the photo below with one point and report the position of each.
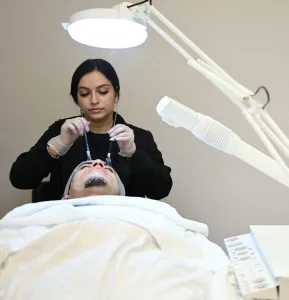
(108, 248)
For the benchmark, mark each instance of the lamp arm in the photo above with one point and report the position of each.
(261, 122)
(195, 48)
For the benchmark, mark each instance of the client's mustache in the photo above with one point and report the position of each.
(95, 181)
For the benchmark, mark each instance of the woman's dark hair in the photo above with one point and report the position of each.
(89, 66)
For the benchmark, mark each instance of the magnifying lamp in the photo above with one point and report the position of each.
(124, 26)
(114, 28)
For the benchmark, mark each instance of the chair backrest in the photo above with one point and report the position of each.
(42, 192)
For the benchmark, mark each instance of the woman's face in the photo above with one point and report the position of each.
(96, 96)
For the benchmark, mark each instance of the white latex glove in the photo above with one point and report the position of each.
(72, 129)
(125, 139)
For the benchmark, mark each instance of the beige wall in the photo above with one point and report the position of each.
(247, 38)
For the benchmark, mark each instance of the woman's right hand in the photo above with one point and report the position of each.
(72, 129)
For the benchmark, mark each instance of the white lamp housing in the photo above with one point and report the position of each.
(113, 28)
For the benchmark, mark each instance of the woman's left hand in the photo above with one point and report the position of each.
(125, 139)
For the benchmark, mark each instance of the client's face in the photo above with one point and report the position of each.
(93, 178)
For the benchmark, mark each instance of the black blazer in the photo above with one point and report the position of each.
(144, 174)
